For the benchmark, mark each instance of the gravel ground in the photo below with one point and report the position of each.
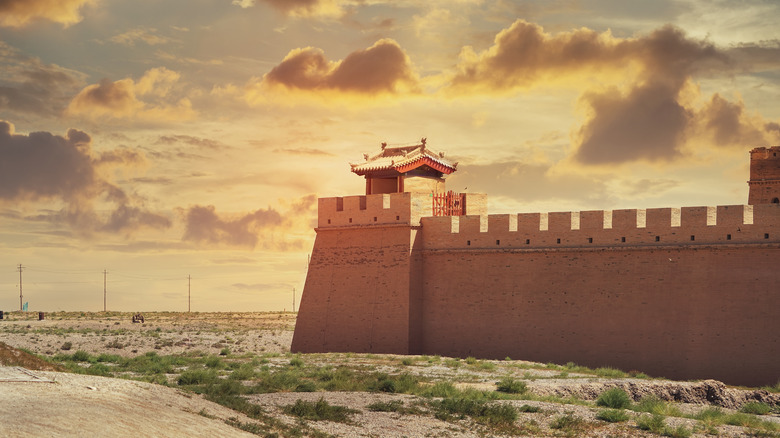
(47, 403)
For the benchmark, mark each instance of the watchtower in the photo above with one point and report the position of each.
(764, 176)
(412, 168)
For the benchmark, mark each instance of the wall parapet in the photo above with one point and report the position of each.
(656, 226)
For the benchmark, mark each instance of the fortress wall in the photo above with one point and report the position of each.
(379, 209)
(680, 312)
(358, 290)
(656, 227)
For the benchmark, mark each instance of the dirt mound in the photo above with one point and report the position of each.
(704, 392)
(10, 356)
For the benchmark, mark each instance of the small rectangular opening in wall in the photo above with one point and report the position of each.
(590, 240)
(657, 238)
(527, 241)
(728, 236)
(468, 243)
(398, 218)
(623, 239)
(766, 235)
(693, 237)
(339, 204)
(498, 242)
(559, 240)
(374, 218)
(328, 221)
(350, 220)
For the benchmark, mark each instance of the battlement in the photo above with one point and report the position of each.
(406, 208)
(735, 224)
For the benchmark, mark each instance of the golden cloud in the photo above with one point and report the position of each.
(146, 99)
(17, 13)
(382, 69)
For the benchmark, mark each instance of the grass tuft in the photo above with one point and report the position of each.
(614, 398)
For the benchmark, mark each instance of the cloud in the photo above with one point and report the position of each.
(268, 228)
(29, 86)
(639, 95)
(43, 167)
(204, 225)
(383, 68)
(304, 151)
(142, 34)
(17, 13)
(299, 8)
(149, 99)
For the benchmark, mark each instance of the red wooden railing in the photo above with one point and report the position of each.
(449, 204)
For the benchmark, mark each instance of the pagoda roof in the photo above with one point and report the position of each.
(404, 159)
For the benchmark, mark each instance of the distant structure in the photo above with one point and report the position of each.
(410, 268)
(764, 176)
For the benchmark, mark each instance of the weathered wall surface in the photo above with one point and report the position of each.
(357, 292)
(678, 312)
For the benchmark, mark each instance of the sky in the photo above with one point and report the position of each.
(176, 149)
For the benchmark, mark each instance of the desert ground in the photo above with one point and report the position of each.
(232, 374)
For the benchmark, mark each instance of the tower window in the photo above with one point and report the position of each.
(559, 240)
(775, 201)
(498, 242)
(350, 220)
(328, 221)
(527, 241)
(766, 235)
(398, 218)
(374, 218)
(468, 243)
(590, 240)
(657, 238)
(693, 237)
(623, 239)
(728, 236)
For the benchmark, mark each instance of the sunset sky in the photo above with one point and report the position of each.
(158, 140)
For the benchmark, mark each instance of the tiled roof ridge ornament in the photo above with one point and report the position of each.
(384, 145)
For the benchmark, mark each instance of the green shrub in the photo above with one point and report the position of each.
(510, 385)
(66, 346)
(654, 405)
(99, 369)
(80, 356)
(493, 414)
(568, 423)
(678, 432)
(610, 372)
(319, 410)
(306, 386)
(391, 406)
(757, 408)
(296, 362)
(213, 362)
(614, 398)
(529, 409)
(440, 389)
(224, 352)
(197, 377)
(471, 360)
(407, 361)
(612, 415)
(655, 423)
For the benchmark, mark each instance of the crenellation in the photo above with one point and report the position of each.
(707, 225)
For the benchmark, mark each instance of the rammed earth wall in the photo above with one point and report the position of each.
(681, 293)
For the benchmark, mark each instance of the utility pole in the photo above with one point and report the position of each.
(21, 306)
(293, 300)
(104, 289)
(189, 295)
